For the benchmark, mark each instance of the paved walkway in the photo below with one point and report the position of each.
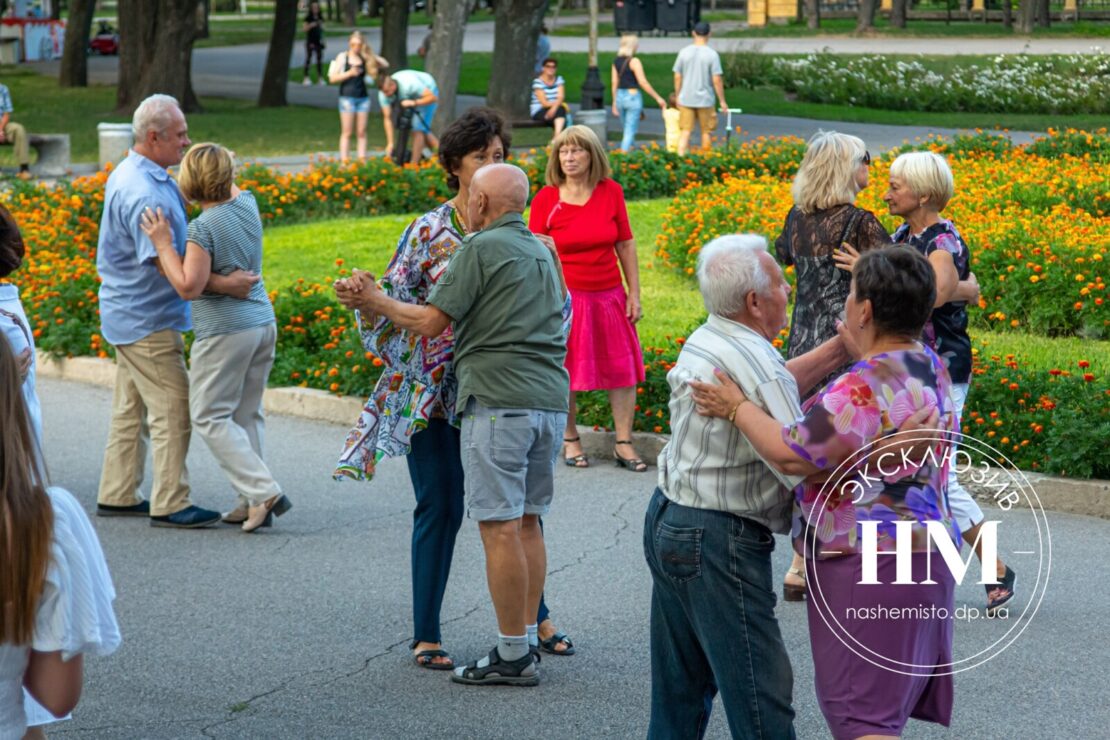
(301, 631)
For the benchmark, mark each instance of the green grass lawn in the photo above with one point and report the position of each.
(43, 107)
(672, 304)
(309, 251)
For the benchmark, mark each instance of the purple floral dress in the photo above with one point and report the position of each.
(868, 402)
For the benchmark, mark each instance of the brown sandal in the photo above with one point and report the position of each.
(792, 592)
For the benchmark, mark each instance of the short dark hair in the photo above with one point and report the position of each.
(471, 132)
(901, 286)
(550, 60)
(11, 244)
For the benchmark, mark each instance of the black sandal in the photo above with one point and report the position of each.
(425, 659)
(578, 461)
(523, 672)
(549, 644)
(1000, 593)
(636, 465)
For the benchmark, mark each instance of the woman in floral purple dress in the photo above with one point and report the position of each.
(873, 670)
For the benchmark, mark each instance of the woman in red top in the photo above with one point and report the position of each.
(583, 210)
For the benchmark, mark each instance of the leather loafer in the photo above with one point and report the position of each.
(271, 507)
(239, 515)
(140, 509)
(191, 517)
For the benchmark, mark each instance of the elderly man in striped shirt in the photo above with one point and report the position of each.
(708, 532)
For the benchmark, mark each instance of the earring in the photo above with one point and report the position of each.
(861, 326)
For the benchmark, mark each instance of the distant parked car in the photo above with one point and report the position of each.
(106, 40)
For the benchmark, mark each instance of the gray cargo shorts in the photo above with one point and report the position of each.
(508, 458)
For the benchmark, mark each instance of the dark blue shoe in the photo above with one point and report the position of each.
(140, 509)
(188, 518)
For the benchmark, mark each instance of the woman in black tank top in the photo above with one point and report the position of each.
(349, 70)
(628, 81)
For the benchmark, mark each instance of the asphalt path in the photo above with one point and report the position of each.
(301, 630)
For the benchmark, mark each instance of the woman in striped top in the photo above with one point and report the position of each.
(235, 335)
(549, 94)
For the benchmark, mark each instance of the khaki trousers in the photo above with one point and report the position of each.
(228, 376)
(150, 404)
(16, 135)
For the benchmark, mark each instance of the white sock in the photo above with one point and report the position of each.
(533, 631)
(512, 647)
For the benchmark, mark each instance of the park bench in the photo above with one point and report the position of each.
(53, 151)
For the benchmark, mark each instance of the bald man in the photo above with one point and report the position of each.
(503, 290)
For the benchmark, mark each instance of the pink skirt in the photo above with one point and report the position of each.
(603, 351)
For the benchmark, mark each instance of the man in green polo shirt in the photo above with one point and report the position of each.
(503, 289)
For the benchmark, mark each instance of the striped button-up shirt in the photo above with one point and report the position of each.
(709, 464)
(5, 100)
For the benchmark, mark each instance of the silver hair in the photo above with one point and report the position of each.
(153, 114)
(729, 269)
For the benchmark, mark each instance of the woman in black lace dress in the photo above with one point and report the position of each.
(824, 216)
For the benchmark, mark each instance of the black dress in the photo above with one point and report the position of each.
(807, 242)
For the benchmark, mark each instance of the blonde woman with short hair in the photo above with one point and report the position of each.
(921, 185)
(234, 346)
(583, 210)
(833, 171)
(628, 80)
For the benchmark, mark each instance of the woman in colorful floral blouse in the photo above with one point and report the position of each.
(412, 409)
(845, 502)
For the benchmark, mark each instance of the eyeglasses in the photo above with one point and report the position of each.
(866, 158)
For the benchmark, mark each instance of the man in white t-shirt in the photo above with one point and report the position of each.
(697, 76)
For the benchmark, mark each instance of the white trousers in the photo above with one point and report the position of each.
(964, 509)
(227, 379)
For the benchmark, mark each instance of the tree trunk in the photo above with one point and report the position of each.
(395, 33)
(350, 12)
(515, 31)
(75, 67)
(1007, 14)
(156, 51)
(813, 14)
(444, 59)
(898, 13)
(56, 11)
(866, 18)
(375, 9)
(1026, 11)
(1044, 14)
(276, 75)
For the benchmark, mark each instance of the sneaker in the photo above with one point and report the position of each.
(522, 672)
(140, 509)
(322, 82)
(190, 517)
(306, 82)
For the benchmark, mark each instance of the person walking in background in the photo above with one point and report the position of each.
(543, 50)
(584, 211)
(233, 351)
(143, 316)
(314, 43)
(627, 81)
(513, 401)
(415, 93)
(549, 95)
(698, 77)
(58, 593)
(14, 134)
(350, 70)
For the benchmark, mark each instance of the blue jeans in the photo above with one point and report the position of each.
(435, 468)
(713, 625)
(630, 104)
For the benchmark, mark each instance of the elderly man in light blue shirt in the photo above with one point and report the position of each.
(143, 317)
